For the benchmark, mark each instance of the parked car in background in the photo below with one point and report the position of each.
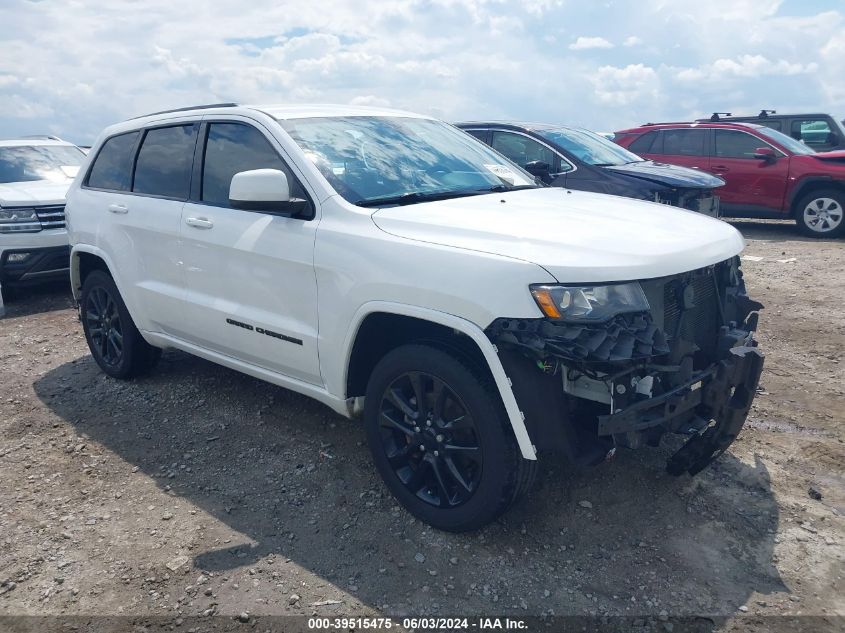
(396, 269)
(579, 159)
(35, 174)
(822, 132)
(767, 173)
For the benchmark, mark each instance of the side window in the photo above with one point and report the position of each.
(731, 144)
(522, 150)
(685, 142)
(164, 162)
(112, 169)
(644, 144)
(813, 132)
(775, 125)
(234, 147)
(481, 135)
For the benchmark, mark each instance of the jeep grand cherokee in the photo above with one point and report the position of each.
(395, 268)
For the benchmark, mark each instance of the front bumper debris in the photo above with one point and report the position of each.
(723, 393)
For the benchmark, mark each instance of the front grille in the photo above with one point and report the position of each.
(691, 309)
(51, 217)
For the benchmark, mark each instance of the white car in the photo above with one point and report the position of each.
(396, 269)
(34, 177)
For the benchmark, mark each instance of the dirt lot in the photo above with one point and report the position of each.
(199, 490)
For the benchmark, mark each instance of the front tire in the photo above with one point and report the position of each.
(821, 213)
(115, 343)
(441, 440)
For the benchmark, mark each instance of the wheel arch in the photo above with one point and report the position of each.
(808, 185)
(83, 260)
(379, 327)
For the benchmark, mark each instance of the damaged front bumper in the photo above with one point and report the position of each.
(688, 366)
(711, 406)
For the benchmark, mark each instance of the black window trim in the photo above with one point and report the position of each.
(195, 193)
(136, 150)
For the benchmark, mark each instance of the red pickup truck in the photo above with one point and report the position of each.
(767, 174)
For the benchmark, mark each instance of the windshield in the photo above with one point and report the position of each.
(590, 147)
(794, 146)
(370, 158)
(25, 163)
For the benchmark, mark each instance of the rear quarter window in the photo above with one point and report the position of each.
(112, 168)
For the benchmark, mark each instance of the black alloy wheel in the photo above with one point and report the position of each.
(430, 439)
(115, 342)
(103, 325)
(440, 438)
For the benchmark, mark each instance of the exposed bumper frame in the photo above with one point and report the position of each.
(722, 393)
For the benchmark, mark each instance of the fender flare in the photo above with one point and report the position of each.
(468, 328)
(74, 265)
(805, 184)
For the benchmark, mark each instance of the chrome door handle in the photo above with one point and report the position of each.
(118, 208)
(199, 223)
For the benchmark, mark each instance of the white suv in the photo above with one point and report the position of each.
(395, 268)
(35, 174)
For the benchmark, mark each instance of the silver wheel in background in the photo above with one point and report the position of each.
(823, 215)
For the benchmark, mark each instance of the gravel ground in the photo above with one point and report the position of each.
(201, 491)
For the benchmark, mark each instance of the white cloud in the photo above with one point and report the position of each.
(71, 67)
(746, 66)
(585, 43)
(623, 86)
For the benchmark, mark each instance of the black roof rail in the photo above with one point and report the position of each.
(716, 115)
(765, 113)
(188, 109)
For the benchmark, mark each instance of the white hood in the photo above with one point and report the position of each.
(36, 192)
(576, 236)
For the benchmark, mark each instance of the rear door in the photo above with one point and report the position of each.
(752, 186)
(251, 285)
(688, 147)
(143, 180)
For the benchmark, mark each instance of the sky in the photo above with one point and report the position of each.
(71, 67)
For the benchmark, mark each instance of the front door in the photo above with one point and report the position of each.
(752, 185)
(251, 285)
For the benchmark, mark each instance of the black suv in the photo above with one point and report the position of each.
(822, 132)
(579, 159)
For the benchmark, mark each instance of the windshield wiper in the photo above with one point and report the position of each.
(502, 188)
(413, 197)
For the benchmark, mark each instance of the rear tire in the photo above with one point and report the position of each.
(821, 213)
(453, 462)
(115, 343)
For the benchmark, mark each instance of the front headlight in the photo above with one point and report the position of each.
(589, 303)
(18, 219)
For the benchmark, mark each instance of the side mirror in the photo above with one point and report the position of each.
(765, 153)
(264, 190)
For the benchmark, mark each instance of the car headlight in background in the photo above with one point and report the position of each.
(589, 303)
(18, 219)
